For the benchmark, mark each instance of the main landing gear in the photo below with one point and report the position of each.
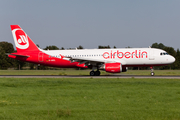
(95, 73)
(152, 73)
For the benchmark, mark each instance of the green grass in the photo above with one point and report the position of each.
(85, 72)
(89, 99)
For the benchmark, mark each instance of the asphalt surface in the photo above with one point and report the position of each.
(84, 76)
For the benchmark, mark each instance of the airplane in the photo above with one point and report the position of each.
(110, 60)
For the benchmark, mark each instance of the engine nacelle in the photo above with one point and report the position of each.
(113, 67)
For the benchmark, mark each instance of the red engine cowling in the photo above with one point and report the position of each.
(113, 67)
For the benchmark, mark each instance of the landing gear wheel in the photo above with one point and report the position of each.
(92, 73)
(152, 73)
(97, 73)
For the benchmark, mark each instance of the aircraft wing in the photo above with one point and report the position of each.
(90, 61)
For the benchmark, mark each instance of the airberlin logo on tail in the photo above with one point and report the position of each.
(20, 39)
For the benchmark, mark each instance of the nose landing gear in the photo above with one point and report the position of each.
(152, 73)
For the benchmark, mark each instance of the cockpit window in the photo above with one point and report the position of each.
(163, 53)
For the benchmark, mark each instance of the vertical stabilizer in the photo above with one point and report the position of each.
(22, 41)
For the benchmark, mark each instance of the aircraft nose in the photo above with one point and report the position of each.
(172, 59)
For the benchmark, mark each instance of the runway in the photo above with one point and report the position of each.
(86, 76)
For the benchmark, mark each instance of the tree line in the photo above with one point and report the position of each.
(6, 62)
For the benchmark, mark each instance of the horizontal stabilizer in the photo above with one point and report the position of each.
(18, 55)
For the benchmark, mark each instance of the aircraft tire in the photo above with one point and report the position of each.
(97, 73)
(92, 73)
(152, 73)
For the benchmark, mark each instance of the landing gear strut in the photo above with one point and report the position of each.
(95, 73)
(152, 73)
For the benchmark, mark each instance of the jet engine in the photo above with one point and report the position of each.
(113, 68)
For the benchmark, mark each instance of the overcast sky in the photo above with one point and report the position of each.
(90, 23)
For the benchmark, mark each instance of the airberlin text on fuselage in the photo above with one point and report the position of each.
(120, 55)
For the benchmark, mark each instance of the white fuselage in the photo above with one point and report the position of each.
(127, 56)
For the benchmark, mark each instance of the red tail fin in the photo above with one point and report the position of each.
(22, 41)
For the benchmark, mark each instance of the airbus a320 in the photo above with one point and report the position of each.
(111, 60)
